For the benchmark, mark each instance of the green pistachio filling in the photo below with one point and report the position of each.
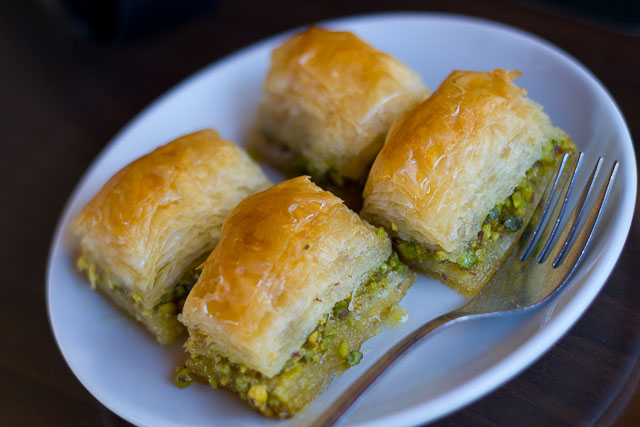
(161, 319)
(332, 347)
(502, 219)
(283, 157)
(170, 303)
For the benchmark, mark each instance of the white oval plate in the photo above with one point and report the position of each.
(126, 370)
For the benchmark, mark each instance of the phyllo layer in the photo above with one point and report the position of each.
(329, 99)
(448, 164)
(155, 219)
(287, 257)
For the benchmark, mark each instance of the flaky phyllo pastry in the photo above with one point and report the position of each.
(461, 173)
(154, 221)
(294, 287)
(329, 99)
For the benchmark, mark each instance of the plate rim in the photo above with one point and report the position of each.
(489, 380)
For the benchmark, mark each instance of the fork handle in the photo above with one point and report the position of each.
(344, 402)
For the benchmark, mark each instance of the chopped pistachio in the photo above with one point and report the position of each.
(547, 151)
(93, 276)
(258, 392)
(212, 382)
(340, 307)
(486, 231)
(354, 358)
(313, 337)
(441, 256)
(343, 349)
(223, 368)
(494, 213)
(467, 259)
(323, 320)
(527, 194)
(82, 264)
(518, 199)
(168, 308)
(184, 378)
(393, 261)
(513, 223)
(242, 383)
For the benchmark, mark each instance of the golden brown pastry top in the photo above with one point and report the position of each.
(163, 210)
(262, 233)
(447, 162)
(136, 192)
(331, 97)
(286, 256)
(338, 65)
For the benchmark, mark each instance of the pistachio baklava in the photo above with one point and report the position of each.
(461, 174)
(294, 287)
(329, 99)
(145, 232)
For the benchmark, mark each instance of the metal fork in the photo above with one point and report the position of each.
(523, 282)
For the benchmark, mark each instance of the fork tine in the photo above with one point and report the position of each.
(578, 211)
(560, 208)
(545, 201)
(575, 255)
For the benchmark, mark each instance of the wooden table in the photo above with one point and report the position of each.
(63, 98)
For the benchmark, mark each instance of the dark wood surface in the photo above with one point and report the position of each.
(63, 98)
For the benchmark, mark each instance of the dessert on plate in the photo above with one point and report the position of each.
(294, 287)
(145, 232)
(329, 99)
(461, 173)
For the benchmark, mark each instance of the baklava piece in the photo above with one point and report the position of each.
(329, 99)
(460, 174)
(294, 287)
(156, 220)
